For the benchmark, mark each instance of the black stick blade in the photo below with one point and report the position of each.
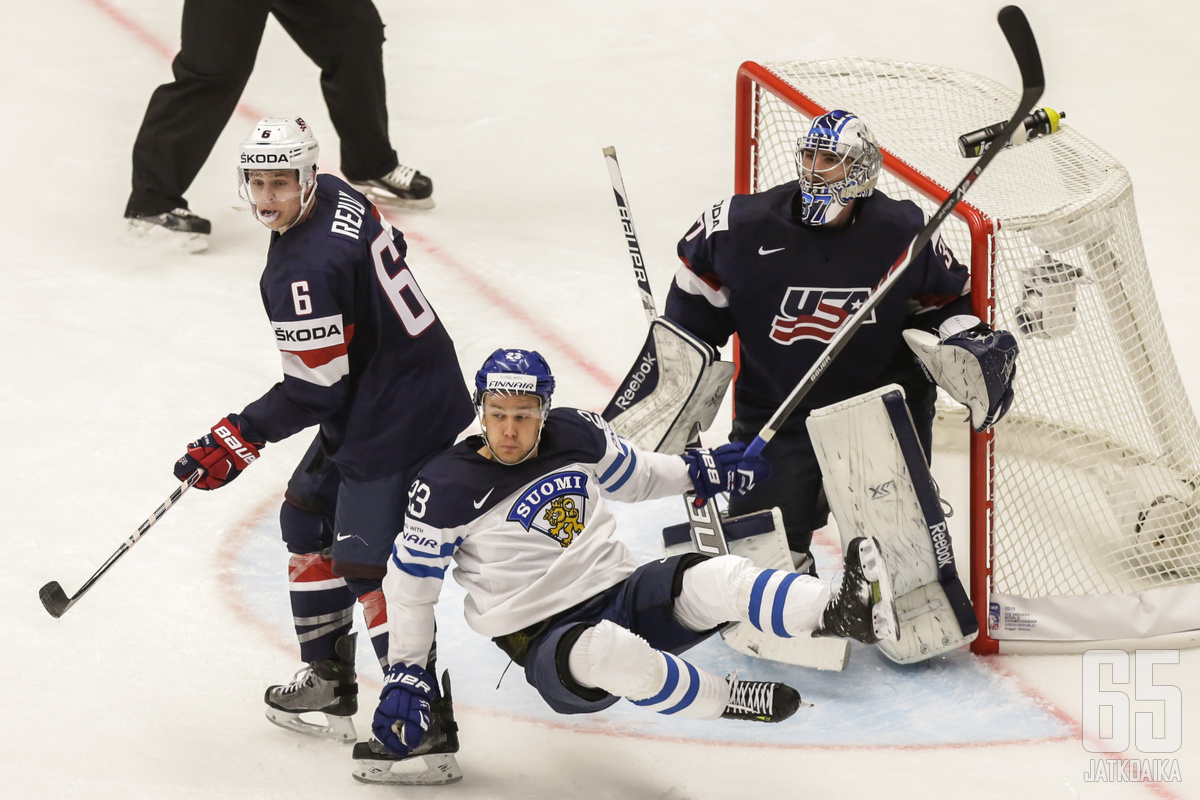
(1024, 46)
(54, 599)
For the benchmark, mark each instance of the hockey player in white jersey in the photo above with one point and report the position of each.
(520, 511)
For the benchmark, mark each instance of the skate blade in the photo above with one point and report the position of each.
(382, 197)
(148, 234)
(434, 769)
(884, 618)
(335, 729)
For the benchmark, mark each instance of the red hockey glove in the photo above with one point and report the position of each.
(222, 453)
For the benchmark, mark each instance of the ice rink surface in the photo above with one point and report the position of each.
(118, 355)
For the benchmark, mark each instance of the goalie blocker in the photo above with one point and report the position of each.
(878, 484)
(672, 392)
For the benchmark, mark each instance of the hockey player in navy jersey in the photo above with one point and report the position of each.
(366, 359)
(784, 268)
(520, 511)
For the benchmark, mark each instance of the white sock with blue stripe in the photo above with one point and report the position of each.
(622, 663)
(686, 690)
(731, 589)
(786, 604)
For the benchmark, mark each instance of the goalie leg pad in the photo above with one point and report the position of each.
(673, 390)
(878, 484)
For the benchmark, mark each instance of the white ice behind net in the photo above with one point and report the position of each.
(1097, 463)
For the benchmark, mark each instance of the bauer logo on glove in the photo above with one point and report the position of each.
(724, 469)
(222, 453)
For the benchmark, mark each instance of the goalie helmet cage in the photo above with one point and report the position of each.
(1083, 519)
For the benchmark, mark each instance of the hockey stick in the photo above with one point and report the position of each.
(1024, 47)
(55, 599)
(708, 533)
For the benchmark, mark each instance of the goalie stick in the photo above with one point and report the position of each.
(635, 250)
(55, 599)
(707, 533)
(1024, 48)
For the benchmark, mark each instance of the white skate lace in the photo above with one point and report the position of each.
(750, 697)
(401, 176)
(302, 679)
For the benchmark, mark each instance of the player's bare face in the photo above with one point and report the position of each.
(511, 424)
(276, 197)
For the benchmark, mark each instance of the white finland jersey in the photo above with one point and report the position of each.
(527, 540)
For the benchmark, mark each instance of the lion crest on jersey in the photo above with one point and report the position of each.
(554, 505)
(563, 517)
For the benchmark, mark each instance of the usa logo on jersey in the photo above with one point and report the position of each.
(556, 505)
(814, 313)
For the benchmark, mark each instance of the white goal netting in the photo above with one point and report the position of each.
(1089, 505)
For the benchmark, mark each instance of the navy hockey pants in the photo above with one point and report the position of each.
(643, 603)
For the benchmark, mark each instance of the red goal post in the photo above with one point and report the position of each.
(1084, 509)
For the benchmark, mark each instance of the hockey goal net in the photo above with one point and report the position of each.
(1083, 517)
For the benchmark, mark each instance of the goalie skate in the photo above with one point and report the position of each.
(326, 688)
(432, 763)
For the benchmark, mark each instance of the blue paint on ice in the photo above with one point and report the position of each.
(952, 699)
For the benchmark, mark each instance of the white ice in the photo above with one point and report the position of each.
(151, 686)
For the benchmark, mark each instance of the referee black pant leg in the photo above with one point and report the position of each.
(345, 39)
(184, 118)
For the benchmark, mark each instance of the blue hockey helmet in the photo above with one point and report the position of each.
(515, 372)
(859, 161)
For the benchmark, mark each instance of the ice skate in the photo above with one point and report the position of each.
(864, 606)
(430, 764)
(761, 701)
(180, 228)
(327, 687)
(403, 186)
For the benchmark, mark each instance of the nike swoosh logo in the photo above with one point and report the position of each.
(764, 252)
(479, 504)
(342, 538)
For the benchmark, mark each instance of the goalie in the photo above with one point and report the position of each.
(784, 268)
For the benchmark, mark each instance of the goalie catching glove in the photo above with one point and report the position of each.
(222, 453)
(973, 363)
(402, 717)
(724, 469)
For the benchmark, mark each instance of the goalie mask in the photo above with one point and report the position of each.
(506, 374)
(837, 160)
(276, 145)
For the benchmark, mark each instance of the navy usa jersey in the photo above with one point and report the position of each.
(364, 354)
(786, 288)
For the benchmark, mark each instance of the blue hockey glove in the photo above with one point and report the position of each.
(724, 469)
(402, 717)
(222, 453)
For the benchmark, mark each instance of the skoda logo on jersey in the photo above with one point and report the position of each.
(556, 505)
(815, 313)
